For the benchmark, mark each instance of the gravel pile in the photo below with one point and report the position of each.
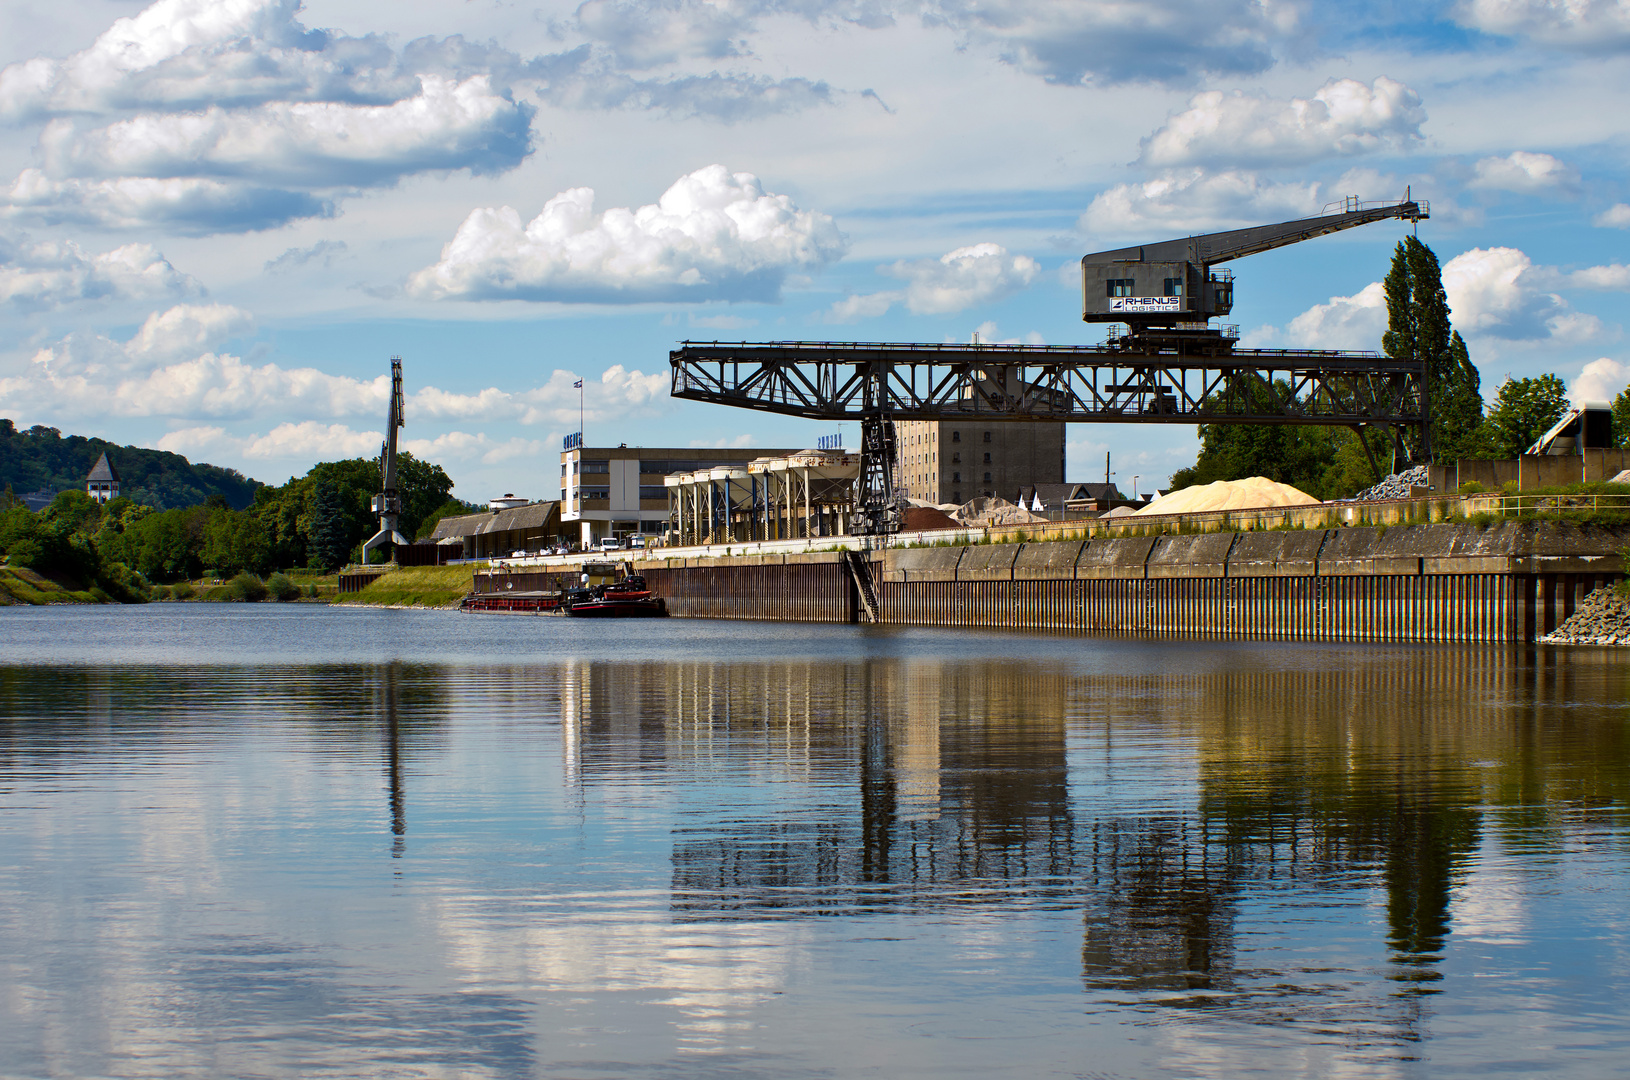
(1603, 619)
(1396, 486)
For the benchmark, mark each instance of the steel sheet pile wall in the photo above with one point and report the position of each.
(1442, 582)
(800, 588)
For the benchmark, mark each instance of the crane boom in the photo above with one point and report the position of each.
(1172, 281)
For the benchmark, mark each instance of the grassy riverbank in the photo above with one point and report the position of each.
(19, 585)
(417, 586)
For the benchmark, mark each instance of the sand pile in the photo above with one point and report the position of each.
(1258, 491)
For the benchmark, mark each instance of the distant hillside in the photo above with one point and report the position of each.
(42, 457)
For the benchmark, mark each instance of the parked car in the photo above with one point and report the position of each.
(610, 543)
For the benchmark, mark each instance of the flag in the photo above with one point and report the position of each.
(578, 385)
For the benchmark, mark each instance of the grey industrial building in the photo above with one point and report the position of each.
(953, 461)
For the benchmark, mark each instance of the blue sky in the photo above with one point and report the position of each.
(220, 218)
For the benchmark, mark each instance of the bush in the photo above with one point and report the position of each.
(282, 589)
(247, 587)
(161, 592)
(1472, 487)
(181, 590)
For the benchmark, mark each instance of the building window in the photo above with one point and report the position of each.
(1174, 286)
(987, 478)
(987, 436)
(956, 459)
(956, 436)
(987, 459)
(653, 491)
(1121, 286)
(956, 496)
(956, 478)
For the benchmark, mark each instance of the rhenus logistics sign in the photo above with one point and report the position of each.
(1146, 305)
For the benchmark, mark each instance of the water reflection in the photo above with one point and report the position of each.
(949, 785)
(660, 849)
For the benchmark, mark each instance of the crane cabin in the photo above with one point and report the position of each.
(1179, 281)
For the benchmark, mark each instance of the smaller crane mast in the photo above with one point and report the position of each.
(388, 504)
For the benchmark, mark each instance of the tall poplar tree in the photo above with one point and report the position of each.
(1418, 329)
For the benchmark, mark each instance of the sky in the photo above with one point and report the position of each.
(219, 219)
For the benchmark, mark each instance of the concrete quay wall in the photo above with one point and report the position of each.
(1451, 581)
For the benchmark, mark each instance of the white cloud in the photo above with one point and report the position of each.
(1599, 380)
(648, 35)
(172, 367)
(859, 306)
(229, 115)
(1344, 117)
(1195, 200)
(312, 440)
(1587, 25)
(324, 252)
(722, 322)
(1496, 291)
(956, 281)
(1615, 277)
(1345, 322)
(739, 442)
(187, 205)
(1524, 173)
(987, 333)
(1492, 293)
(714, 235)
(304, 441)
(1075, 43)
(187, 328)
(1616, 216)
(50, 273)
(187, 54)
(446, 125)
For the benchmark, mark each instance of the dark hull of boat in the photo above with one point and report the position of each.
(619, 609)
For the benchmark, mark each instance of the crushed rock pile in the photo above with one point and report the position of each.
(1251, 494)
(1399, 485)
(1603, 619)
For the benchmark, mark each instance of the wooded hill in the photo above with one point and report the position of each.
(42, 457)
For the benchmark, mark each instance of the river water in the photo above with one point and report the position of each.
(277, 841)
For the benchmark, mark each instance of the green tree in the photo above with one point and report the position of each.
(1524, 409)
(327, 539)
(1418, 329)
(1621, 418)
(450, 508)
(235, 542)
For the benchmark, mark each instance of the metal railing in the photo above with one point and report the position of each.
(1517, 505)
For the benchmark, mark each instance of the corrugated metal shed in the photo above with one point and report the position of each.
(531, 516)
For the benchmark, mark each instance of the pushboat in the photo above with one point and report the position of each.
(629, 598)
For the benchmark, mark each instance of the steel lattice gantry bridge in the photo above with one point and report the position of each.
(1086, 384)
(1181, 380)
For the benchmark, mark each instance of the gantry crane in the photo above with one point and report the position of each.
(1169, 365)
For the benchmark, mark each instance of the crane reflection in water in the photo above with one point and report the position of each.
(924, 785)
